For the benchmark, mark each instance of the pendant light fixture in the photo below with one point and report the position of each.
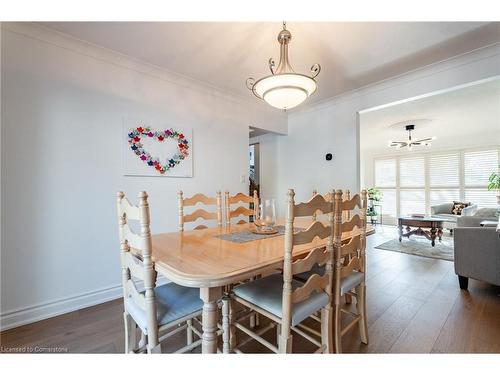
(284, 89)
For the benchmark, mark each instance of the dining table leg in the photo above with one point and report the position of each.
(210, 297)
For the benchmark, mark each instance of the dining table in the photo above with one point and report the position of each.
(208, 260)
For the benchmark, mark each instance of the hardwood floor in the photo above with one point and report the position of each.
(414, 306)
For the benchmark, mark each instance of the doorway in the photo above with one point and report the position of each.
(420, 155)
(254, 169)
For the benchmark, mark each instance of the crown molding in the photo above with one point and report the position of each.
(62, 40)
(68, 42)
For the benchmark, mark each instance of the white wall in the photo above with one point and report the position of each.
(332, 126)
(63, 103)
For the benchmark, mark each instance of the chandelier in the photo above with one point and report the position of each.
(410, 142)
(284, 89)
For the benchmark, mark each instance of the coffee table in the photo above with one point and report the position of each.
(433, 224)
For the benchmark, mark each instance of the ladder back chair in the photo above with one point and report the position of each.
(284, 300)
(350, 263)
(345, 216)
(346, 195)
(250, 212)
(328, 197)
(317, 215)
(199, 213)
(156, 308)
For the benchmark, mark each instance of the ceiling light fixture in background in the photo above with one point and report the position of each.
(410, 142)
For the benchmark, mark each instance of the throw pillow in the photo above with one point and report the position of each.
(458, 207)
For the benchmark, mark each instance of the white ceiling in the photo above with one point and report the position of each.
(466, 117)
(351, 54)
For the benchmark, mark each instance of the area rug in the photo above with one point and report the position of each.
(421, 246)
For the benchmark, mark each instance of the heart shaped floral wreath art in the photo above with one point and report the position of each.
(136, 135)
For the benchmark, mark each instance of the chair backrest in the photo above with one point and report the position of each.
(345, 196)
(136, 257)
(322, 255)
(346, 214)
(199, 213)
(241, 210)
(349, 256)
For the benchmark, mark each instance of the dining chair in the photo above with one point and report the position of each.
(199, 213)
(250, 212)
(318, 214)
(284, 300)
(345, 216)
(153, 309)
(350, 275)
(346, 195)
(327, 197)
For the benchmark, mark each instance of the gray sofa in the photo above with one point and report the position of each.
(479, 215)
(477, 254)
(444, 211)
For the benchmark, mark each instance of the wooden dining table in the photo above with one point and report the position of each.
(200, 259)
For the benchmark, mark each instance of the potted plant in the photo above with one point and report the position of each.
(494, 184)
(374, 194)
(371, 211)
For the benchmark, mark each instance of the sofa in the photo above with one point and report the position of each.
(477, 254)
(443, 211)
(479, 215)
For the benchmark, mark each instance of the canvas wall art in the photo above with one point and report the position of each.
(156, 149)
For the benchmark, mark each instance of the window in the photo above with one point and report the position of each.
(444, 178)
(412, 201)
(412, 176)
(389, 207)
(411, 172)
(481, 197)
(438, 196)
(444, 170)
(478, 165)
(385, 173)
(385, 180)
(413, 183)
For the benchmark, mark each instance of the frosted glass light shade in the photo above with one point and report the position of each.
(285, 91)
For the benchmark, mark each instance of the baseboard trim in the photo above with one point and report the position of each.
(19, 317)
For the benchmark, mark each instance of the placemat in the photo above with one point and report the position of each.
(247, 236)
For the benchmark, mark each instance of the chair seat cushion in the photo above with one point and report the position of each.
(350, 282)
(304, 276)
(267, 293)
(173, 302)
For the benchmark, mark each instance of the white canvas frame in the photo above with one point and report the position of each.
(133, 166)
